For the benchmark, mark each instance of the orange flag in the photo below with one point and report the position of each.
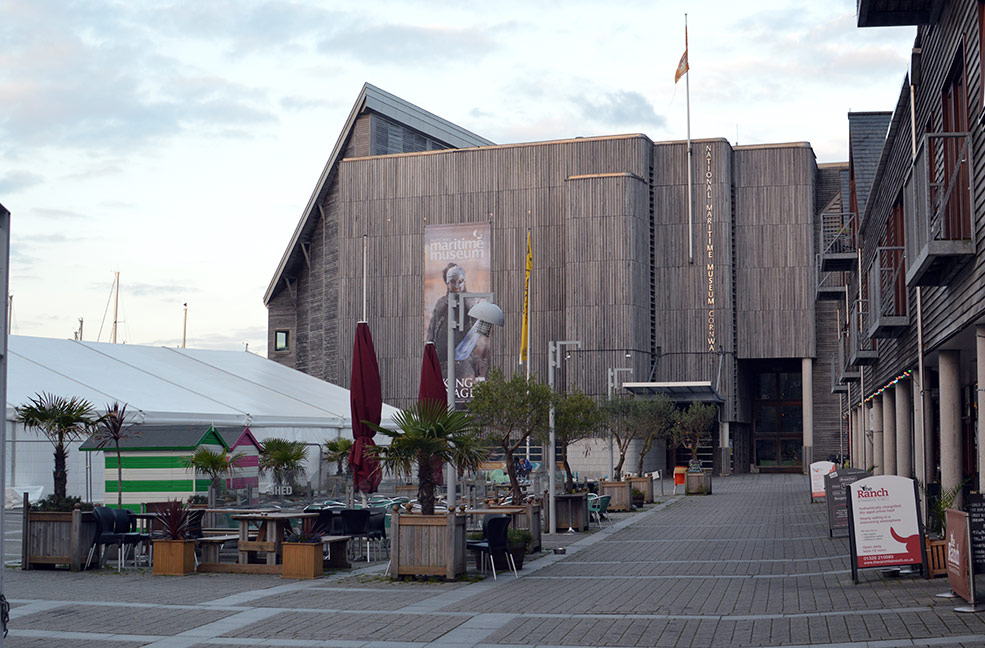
(681, 67)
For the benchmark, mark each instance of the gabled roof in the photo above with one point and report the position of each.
(168, 437)
(235, 437)
(370, 99)
(866, 137)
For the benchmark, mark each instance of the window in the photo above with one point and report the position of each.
(281, 341)
(954, 109)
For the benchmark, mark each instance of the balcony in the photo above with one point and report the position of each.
(861, 347)
(846, 372)
(839, 251)
(830, 285)
(939, 233)
(837, 368)
(896, 13)
(886, 273)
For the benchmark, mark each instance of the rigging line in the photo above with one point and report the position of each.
(106, 310)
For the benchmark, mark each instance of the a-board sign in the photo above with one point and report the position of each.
(975, 503)
(959, 575)
(884, 523)
(818, 470)
(834, 495)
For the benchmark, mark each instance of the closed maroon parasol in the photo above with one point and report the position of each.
(433, 389)
(366, 397)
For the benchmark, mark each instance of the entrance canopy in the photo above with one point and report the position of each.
(678, 392)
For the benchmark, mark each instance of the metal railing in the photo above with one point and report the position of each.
(824, 280)
(926, 203)
(858, 330)
(838, 232)
(887, 274)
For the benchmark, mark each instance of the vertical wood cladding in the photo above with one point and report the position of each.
(694, 301)
(948, 309)
(774, 226)
(392, 198)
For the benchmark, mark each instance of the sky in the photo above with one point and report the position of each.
(177, 143)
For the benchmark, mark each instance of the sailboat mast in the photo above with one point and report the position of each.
(116, 304)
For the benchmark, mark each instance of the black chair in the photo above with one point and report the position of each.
(128, 537)
(495, 542)
(377, 526)
(105, 534)
(194, 531)
(355, 523)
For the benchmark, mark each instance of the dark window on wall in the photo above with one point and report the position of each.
(389, 137)
(954, 112)
(282, 341)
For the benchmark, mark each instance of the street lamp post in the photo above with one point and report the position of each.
(488, 314)
(554, 361)
(613, 383)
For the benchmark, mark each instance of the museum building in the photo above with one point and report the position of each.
(724, 302)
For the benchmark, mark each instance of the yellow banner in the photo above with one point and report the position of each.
(524, 338)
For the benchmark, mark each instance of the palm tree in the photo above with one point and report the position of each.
(337, 450)
(285, 459)
(112, 427)
(213, 465)
(61, 420)
(428, 432)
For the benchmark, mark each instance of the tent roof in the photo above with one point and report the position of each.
(167, 386)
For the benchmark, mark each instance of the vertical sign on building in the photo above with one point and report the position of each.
(457, 258)
(710, 251)
(884, 523)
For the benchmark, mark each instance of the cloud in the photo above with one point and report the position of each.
(50, 238)
(19, 179)
(139, 289)
(621, 109)
(410, 44)
(57, 214)
(228, 340)
(303, 103)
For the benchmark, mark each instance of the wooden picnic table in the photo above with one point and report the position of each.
(272, 523)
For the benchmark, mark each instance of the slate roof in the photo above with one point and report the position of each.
(170, 437)
(866, 138)
(900, 120)
(392, 107)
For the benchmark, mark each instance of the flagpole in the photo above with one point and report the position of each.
(528, 335)
(364, 278)
(690, 216)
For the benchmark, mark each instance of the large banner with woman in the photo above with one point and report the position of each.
(457, 259)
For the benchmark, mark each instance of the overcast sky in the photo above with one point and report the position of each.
(178, 142)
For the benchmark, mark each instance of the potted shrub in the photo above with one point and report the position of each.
(638, 498)
(427, 432)
(694, 426)
(174, 553)
(57, 532)
(302, 551)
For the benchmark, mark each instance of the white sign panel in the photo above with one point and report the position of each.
(818, 470)
(885, 529)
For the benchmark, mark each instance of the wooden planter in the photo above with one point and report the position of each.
(644, 484)
(427, 545)
(697, 483)
(301, 560)
(936, 558)
(57, 538)
(410, 490)
(571, 511)
(621, 493)
(174, 557)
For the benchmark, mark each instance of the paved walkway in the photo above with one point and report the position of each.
(751, 565)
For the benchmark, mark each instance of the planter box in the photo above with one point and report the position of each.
(698, 483)
(936, 558)
(56, 538)
(301, 560)
(644, 484)
(174, 557)
(571, 511)
(410, 490)
(427, 545)
(621, 493)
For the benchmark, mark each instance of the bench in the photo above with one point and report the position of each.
(338, 547)
(211, 545)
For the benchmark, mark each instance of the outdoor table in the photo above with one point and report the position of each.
(270, 534)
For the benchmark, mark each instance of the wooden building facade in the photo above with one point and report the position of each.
(727, 300)
(913, 316)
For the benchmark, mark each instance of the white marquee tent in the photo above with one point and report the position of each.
(165, 386)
